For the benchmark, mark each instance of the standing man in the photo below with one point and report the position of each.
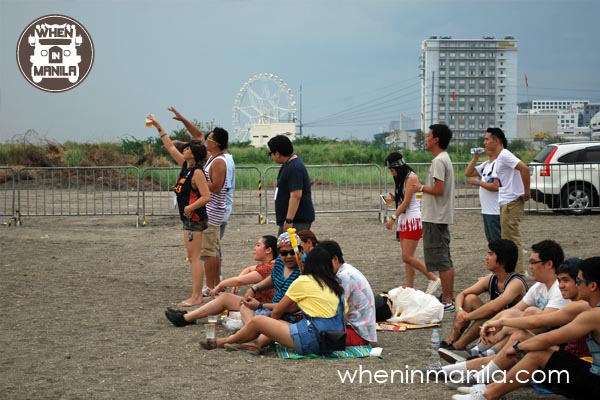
(293, 202)
(484, 176)
(215, 171)
(513, 177)
(438, 211)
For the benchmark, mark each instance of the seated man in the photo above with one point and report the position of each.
(360, 319)
(573, 376)
(543, 297)
(506, 288)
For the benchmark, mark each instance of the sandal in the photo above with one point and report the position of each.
(255, 351)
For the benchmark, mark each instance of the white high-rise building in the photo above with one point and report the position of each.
(469, 85)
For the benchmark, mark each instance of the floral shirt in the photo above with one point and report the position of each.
(360, 302)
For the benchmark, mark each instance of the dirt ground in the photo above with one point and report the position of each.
(82, 303)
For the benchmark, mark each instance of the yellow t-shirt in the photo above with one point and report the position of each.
(314, 300)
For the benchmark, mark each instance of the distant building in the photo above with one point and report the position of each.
(261, 133)
(537, 125)
(595, 126)
(401, 140)
(405, 123)
(589, 111)
(470, 85)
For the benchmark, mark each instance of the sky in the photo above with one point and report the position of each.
(356, 61)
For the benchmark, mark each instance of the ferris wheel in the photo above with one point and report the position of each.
(263, 99)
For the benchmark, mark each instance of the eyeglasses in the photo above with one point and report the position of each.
(285, 253)
(579, 281)
(533, 262)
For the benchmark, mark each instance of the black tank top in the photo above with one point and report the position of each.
(187, 195)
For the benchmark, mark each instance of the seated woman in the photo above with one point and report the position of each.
(316, 292)
(285, 271)
(265, 252)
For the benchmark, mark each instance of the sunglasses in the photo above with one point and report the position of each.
(285, 253)
(579, 281)
(211, 140)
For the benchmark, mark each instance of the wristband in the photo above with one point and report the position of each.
(393, 217)
(478, 183)
(163, 135)
(421, 189)
(260, 305)
(255, 289)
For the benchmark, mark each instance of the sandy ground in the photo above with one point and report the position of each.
(82, 303)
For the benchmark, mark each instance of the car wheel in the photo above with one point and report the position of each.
(577, 199)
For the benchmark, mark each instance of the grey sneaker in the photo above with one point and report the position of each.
(470, 389)
(476, 394)
(433, 286)
(452, 355)
(433, 372)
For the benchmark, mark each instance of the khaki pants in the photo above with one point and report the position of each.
(510, 219)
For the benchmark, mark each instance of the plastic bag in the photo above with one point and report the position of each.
(415, 307)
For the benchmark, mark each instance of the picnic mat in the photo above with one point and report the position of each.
(350, 352)
(401, 326)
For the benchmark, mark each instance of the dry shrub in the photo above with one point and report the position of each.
(162, 161)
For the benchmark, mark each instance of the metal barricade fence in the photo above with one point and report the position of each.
(158, 198)
(78, 191)
(335, 188)
(7, 194)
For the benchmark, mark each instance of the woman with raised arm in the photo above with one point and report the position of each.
(192, 195)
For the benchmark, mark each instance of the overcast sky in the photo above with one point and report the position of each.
(349, 56)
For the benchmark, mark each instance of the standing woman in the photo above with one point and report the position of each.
(408, 218)
(192, 195)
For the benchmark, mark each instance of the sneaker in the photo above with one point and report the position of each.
(176, 310)
(452, 355)
(475, 394)
(446, 345)
(449, 307)
(467, 381)
(433, 371)
(206, 291)
(433, 286)
(177, 318)
(470, 389)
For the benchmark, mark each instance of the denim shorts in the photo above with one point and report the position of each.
(305, 338)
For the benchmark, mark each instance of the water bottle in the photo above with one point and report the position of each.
(434, 347)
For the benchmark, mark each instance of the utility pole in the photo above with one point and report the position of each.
(300, 110)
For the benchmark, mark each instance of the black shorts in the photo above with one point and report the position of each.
(582, 384)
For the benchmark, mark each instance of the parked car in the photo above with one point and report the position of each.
(566, 176)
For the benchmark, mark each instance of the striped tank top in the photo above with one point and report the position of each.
(216, 207)
(280, 282)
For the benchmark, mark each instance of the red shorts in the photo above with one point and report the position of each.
(411, 229)
(353, 338)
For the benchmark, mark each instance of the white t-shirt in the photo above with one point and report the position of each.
(488, 199)
(229, 184)
(539, 296)
(511, 184)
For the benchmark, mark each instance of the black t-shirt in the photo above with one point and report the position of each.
(293, 176)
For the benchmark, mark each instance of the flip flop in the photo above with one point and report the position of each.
(186, 304)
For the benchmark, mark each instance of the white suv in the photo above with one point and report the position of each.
(567, 176)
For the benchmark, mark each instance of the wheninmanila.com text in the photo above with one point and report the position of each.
(408, 375)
